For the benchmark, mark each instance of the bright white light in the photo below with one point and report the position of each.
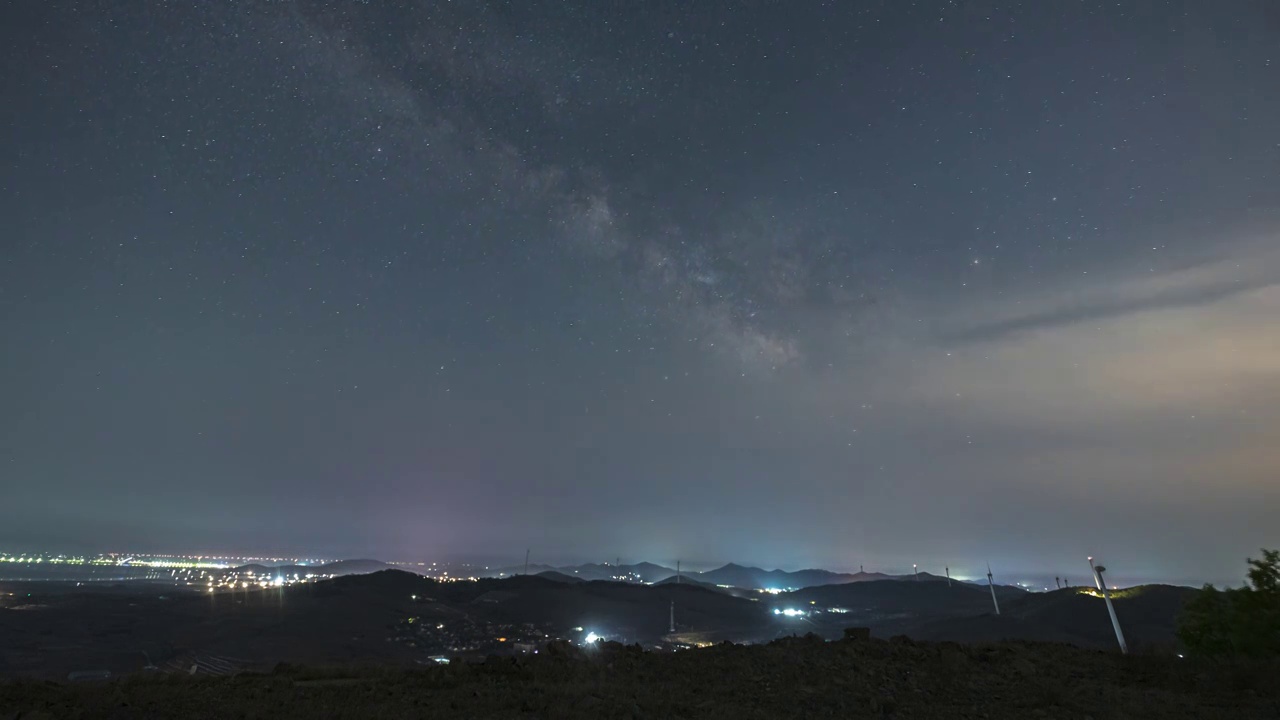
(592, 637)
(278, 581)
(789, 612)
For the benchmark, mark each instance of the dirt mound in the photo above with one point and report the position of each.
(792, 677)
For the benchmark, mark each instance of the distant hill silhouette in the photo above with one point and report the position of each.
(350, 618)
(559, 576)
(1147, 615)
(644, 571)
(732, 574)
(650, 572)
(684, 580)
(759, 578)
(931, 596)
(336, 568)
(513, 570)
(640, 612)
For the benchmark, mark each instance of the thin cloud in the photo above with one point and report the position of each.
(1104, 310)
(1187, 286)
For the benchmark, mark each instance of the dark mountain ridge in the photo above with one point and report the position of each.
(1147, 614)
(337, 568)
(731, 575)
(374, 618)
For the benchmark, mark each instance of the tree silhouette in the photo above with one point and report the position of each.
(1243, 621)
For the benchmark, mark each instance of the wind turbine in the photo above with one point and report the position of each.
(1111, 609)
(991, 584)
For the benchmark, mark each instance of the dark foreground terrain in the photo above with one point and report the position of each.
(50, 630)
(793, 677)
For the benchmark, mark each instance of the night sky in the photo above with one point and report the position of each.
(786, 283)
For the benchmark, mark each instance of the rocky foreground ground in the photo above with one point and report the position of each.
(795, 677)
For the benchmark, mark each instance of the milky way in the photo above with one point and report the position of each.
(785, 283)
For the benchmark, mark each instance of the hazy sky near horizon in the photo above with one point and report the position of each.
(787, 283)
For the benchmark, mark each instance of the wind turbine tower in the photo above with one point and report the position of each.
(1111, 609)
(992, 586)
